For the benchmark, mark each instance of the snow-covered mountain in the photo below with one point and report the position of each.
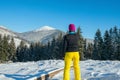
(43, 34)
(44, 28)
(6, 32)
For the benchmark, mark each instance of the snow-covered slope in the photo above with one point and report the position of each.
(28, 70)
(90, 70)
(43, 34)
(6, 32)
(96, 70)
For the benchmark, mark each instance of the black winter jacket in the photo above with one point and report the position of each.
(70, 43)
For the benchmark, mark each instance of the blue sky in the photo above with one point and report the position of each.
(27, 15)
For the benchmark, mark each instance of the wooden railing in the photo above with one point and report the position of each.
(49, 75)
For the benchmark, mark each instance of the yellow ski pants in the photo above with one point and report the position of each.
(71, 56)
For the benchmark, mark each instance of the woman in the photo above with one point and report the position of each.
(71, 53)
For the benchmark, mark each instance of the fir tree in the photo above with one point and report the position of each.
(12, 50)
(115, 39)
(2, 50)
(0, 38)
(44, 53)
(5, 47)
(26, 54)
(0, 46)
(107, 49)
(54, 48)
(118, 46)
(20, 52)
(48, 49)
(60, 46)
(114, 35)
(37, 52)
(98, 46)
(89, 50)
(32, 49)
(81, 43)
(85, 49)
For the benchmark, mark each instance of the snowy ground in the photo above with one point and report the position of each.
(90, 70)
(96, 70)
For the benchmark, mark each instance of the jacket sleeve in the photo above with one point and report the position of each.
(64, 45)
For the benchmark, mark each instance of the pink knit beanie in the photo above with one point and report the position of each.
(72, 27)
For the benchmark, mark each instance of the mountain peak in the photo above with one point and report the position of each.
(44, 28)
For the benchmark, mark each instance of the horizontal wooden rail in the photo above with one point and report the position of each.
(49, 75)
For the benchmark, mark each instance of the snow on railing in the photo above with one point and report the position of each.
(50, 74)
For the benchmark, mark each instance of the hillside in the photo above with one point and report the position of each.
(6, 32)
(42, 35)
